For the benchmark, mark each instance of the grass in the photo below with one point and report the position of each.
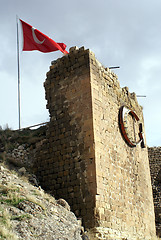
(10, 195)
(44, 195)
(21, 217)
(32, 199)
(5, 189)
(13, 199)
(5, 218)
(5, 226)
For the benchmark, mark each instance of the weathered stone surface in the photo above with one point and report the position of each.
(155, 169)
(20, 156)
(63, 203)
(63, 169)
(85, 160)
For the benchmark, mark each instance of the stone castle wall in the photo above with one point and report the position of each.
(122, 173)
(66, 163)
(155, 169)
(85, 159)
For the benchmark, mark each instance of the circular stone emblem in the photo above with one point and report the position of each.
(131, 129)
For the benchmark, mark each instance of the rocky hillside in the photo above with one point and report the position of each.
(18, 147)
(27, 212)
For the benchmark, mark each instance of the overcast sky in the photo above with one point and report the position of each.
(123, 33)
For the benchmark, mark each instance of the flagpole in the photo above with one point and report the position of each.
(18, 71)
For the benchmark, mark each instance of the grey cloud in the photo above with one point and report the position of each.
(125, 33)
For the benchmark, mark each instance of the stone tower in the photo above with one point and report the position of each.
(94, 155)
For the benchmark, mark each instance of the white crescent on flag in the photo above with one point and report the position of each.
(35, 38)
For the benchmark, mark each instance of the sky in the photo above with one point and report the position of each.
(123, 33)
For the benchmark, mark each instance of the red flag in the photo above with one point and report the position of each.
(33, 39)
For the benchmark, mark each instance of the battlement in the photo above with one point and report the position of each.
(92, 155)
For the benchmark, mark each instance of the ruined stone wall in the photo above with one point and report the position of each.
(85, 159)
(122, 173)
(66, 163)
(155, 169)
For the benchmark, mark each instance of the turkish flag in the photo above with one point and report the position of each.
(33, 39)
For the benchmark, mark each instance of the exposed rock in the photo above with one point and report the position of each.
(33, 179)
(20, 156)
(22, 170)
(27, 212)
(84, 236)
(63, 203)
